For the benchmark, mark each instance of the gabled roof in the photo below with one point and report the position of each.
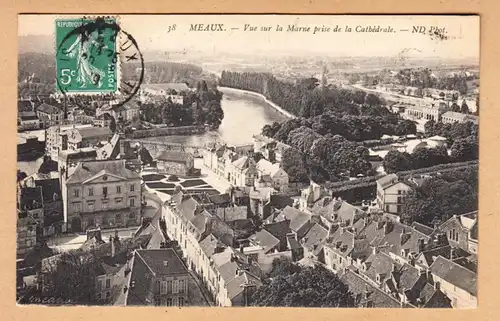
(209, 245)
(87, 170)
(387, 180)
(241, 162)
(236, 285)
(265, 239)
(267, 167)
(337, 210)
(455, 274)
(360, 288)
(298, 219)
(422, 228)
(316, 235)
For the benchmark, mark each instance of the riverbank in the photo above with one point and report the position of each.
(262, 97)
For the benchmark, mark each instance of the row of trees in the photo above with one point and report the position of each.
(438, 198)
(305, 98)
(425, 78)
(462, 150)
(451, 131)
(294, 286)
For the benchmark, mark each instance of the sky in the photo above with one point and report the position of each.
(152, 34)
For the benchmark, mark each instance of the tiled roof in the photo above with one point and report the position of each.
(265, 239)
(298, 219)
(236, 285)
(174, 156)
(316, 235)
(209, 245)
(380, 263)
(163, 261)
(455, 274)
(337, 210)
(422, 228)
(267, 167)
(387, 180)
(360, 288)
(241, 162)
(87, 170)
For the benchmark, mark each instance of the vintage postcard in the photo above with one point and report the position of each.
(248, 160)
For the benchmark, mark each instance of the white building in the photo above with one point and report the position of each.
(391, 194)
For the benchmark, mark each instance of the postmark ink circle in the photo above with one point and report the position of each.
(90, 58)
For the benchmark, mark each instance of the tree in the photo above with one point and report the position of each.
(465, 149)
(282, 266)
(271, 130)
(47, 166)
(21, 175)
(372, 100)
(72, 276)
(308, 287)
(455, 107)
(477, 105)
(464, 109)
(293, 164)
(396, 161)
(437, 199)
(302, 138)
(145, 156)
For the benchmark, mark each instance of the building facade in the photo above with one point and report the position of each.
(102, 194)
(391, 193)
(175, 163)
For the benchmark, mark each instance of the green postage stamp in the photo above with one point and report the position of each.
(86, 56)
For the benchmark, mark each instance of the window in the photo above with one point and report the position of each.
(105, 191)
(77, 207)
(163, 287)
(108, 283)
(91, 191)
(118, 200)
(169, 302)
(175, 286)
(98, 296)
(108, 295)
(400, 208)
(399, 192)
(104, 205)
(181, 301)
(175, 302)
(387, 208)
(181, 286)
(99, 285)
(90, 205)
(118, 189)
(157, 301)
(118, 217)
(76, 193)
(131, 202)
(169, 286)
(132, 188)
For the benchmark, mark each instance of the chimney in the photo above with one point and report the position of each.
(241, 248)
(421, 245)
(374, 250)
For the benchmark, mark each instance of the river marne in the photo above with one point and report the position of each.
(245, 114)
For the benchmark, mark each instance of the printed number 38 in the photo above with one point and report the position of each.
(66, 75)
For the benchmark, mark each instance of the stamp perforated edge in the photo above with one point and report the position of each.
(118, 62)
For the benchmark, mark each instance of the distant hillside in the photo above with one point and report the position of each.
(36, 43)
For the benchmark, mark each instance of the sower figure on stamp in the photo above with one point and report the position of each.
(82, 48)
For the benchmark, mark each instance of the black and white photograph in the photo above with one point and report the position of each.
(262, 160)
